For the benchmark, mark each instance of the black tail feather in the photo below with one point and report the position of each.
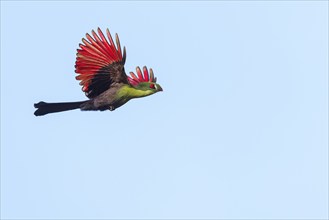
(44, 108)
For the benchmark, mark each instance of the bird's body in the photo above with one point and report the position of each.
(100, 66)
(114, 97)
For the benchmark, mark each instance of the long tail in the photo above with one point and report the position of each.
(44, 108)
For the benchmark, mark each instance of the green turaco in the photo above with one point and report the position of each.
(100, 68)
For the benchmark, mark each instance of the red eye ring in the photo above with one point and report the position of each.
(152, 86)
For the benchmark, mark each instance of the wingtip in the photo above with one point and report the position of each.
(124, 55)
(146, 73)
(151, 75)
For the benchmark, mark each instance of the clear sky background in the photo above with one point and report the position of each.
(240, 131)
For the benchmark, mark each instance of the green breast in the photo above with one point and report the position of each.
(129, 92)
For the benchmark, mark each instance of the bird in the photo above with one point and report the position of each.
(100, 69)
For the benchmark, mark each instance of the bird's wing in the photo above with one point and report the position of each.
(100, 63)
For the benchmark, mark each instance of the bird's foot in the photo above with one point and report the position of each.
(111, 108)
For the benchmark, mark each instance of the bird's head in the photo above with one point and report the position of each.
(145, 82)
(149, 86)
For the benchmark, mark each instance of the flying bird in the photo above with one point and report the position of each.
(100, 68)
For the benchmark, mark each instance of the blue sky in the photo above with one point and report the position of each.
(240, 131)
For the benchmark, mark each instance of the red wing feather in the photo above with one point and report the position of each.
(99, 63)
(135, 80)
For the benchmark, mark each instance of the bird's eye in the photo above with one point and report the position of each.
(152, 86)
